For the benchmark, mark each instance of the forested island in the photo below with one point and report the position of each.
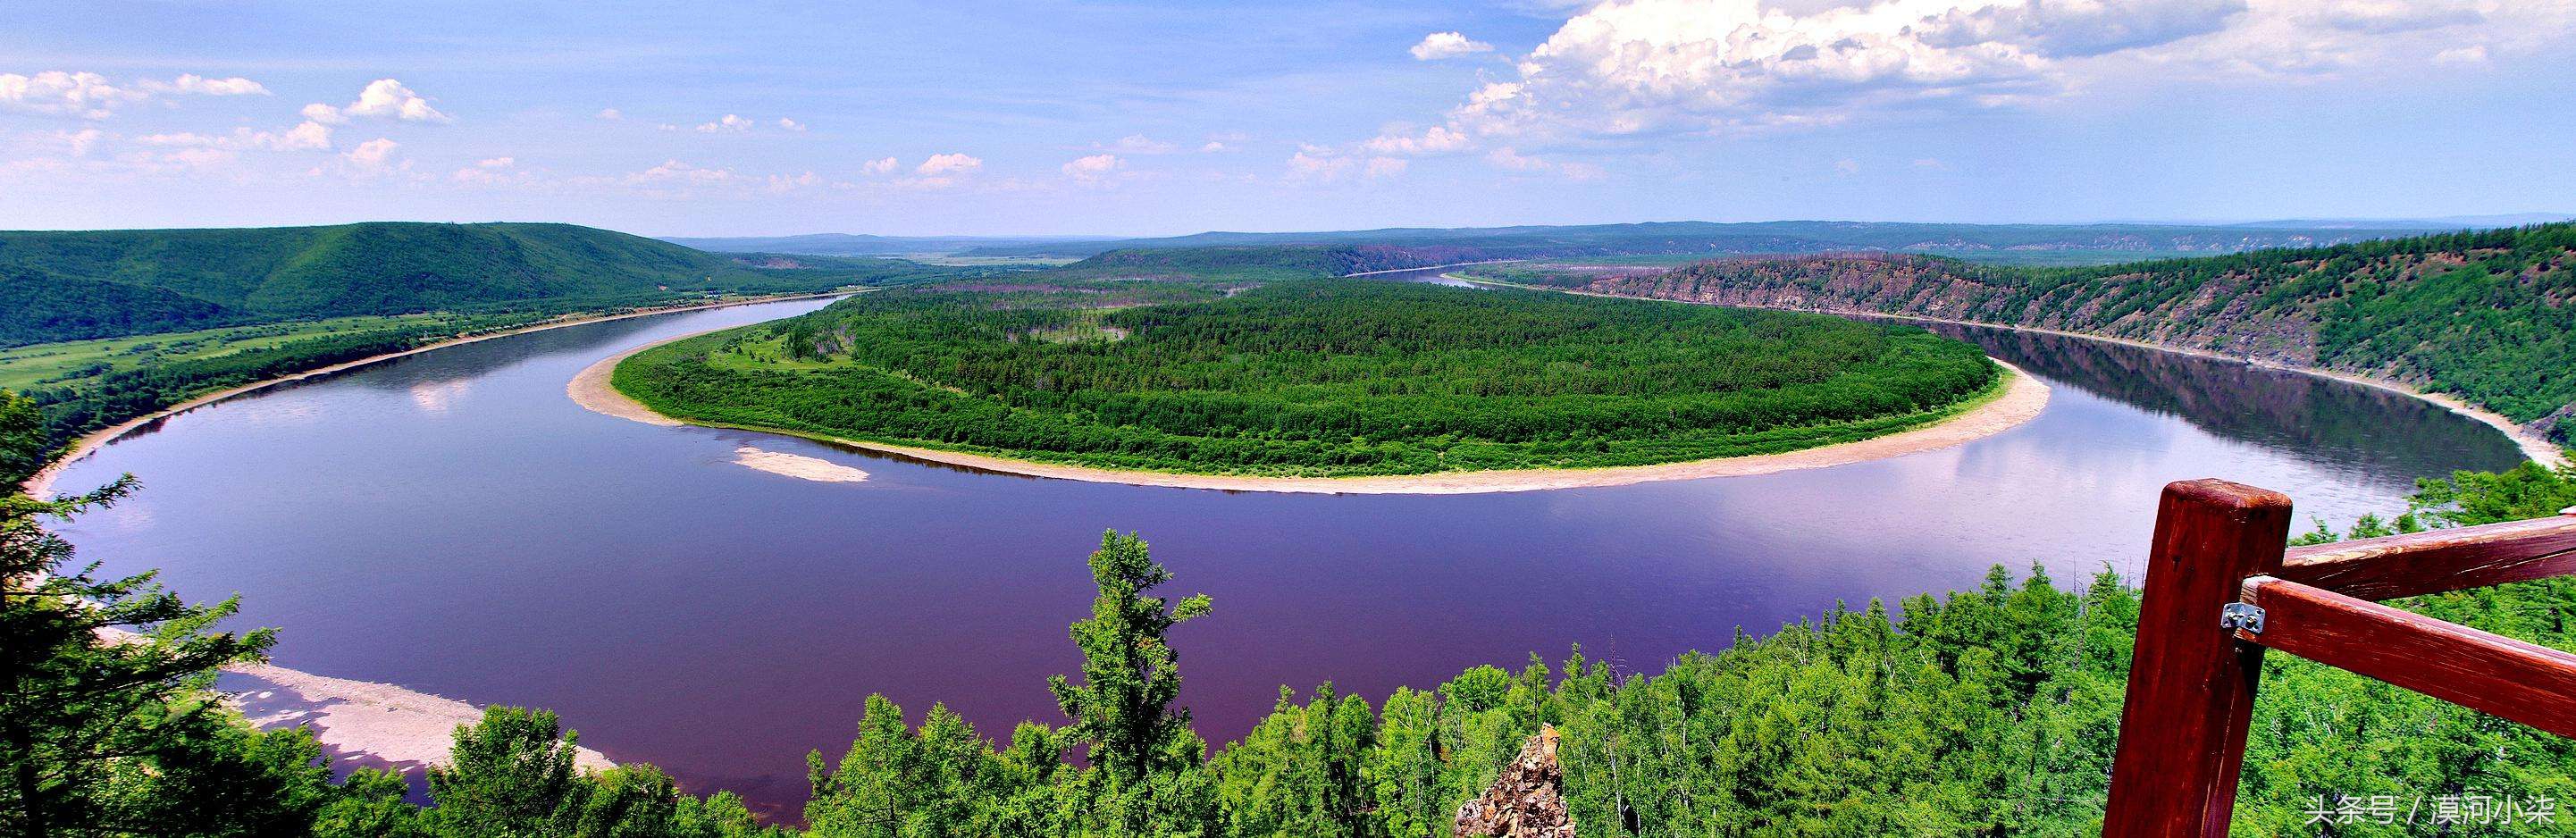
(1312, 378)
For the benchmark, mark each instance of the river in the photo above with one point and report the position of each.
(451, 522)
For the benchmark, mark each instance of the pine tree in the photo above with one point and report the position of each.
(512, 775)
(106, 723)
(1146, 774)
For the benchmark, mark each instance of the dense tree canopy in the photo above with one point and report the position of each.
(1321, 377)
(70, 285)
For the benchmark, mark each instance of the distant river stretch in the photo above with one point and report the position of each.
(453, 523)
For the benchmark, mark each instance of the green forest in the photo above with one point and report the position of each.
(1990, 711)
(1316, 378)
(2485, 316)
(75, 285)
(223, 308)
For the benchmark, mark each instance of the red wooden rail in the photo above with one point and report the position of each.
(2221, 587)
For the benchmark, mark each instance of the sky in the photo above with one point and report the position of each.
(1146, 118)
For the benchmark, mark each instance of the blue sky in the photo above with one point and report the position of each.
(1151, 118)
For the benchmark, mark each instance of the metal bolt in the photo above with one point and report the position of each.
(2241, 616)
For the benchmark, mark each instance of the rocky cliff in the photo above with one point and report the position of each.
(1527, 801)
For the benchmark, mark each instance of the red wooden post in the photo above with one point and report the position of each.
(2191, 684)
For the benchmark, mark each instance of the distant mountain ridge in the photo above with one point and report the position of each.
(1648, 238)
(1713, 238)
(87, 284)
(2439, 223)
(860, 244)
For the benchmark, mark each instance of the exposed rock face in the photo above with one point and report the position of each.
(1528, 801)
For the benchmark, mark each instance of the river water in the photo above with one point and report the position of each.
(453, 523)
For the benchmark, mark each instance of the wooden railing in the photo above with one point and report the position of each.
(2221, 587)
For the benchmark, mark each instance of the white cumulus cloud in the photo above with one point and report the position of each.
(792, 125)
(880, 166)
(1440, 139)
(93, 96)
(79, 141)
(372, 154)
(1313, 162)
(381, 98)
(1645, 67)
(305, 136)
(674, 172)
(1506, 158)
(387, 97)
(941, 171)
(948, 164)
(191, 83)
(55, 92)
(1440, 45)
(1141, 144)
(2473, 54)
(729, 122)
(1093, 168)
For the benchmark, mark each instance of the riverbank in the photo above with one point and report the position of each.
(42, 483)
(361, 724)
(2020, 399)
(2534, 447)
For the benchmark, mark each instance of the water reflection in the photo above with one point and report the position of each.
(2363, 433)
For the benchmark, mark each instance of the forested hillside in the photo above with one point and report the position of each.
(89, 284)
(2488, 316)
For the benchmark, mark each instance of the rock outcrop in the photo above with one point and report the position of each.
(1528, 801)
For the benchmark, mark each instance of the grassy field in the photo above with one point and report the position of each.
(26, 367)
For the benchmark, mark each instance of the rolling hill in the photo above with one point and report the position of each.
(90, 284)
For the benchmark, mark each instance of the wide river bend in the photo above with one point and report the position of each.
(451, 522)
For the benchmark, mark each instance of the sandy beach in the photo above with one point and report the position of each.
(361, 724)
(797, 466)
(2022, 398)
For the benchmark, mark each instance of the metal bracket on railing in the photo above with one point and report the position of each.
(2241, 616)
